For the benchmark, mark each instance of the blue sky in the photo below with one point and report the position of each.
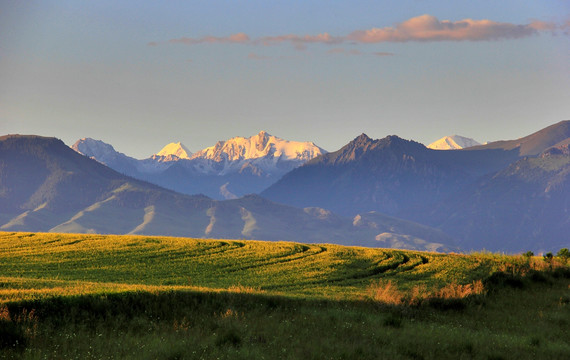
(141, 74)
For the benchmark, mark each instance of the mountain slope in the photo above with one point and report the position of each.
(535, 143)
(46, 186)
(453, 142)
(391, 175)
(526, 206)
(107, 155)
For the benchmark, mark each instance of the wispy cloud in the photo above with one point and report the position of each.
(429, 28)
(543, 25)
(424, 28)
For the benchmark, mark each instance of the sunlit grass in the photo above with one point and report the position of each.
(82, 264)
(140, 297)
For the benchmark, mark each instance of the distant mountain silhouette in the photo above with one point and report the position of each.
(390, 175)
(46, 186)
(500, 196)
(526, 206)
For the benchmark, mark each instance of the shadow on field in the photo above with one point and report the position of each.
(217, 322)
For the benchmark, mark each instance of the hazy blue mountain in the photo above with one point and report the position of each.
(486, 196)
(526, 206)
(46, 186)
(390, 175)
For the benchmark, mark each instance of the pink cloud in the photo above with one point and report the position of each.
(543, 25)
(429, 28)
(421, 28)
(239, 38)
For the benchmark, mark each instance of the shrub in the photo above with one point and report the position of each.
(548, 257)
(563, 254)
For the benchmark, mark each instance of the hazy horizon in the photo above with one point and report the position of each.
(139, 75)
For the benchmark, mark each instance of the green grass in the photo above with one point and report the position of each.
(107, 297)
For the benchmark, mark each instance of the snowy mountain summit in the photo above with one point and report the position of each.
(97, 150)
(453, 142)
(260, 154)
(258, 146)
(230, 168)
(175, 149)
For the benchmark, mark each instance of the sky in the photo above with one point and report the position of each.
(141, 74)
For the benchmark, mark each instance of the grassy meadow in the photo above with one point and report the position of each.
(140, 297)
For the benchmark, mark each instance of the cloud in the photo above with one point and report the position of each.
(424, 28)
(543, 25)
(429, 28)
(239, 38)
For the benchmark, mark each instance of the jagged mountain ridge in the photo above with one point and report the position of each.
(390, 175)
(487, 196)
(46, 186)
(230, 168)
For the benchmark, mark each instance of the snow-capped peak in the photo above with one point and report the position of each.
(453, 142)
(257, 146)
(176, 149)
(94, 148)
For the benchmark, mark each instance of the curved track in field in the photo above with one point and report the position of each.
(274, 267)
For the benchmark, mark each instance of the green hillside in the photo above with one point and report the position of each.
(291, 269)
(98, 296)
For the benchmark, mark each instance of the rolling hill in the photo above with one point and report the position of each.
(151, 297)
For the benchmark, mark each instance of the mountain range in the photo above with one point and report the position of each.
(509, 196)
(46, 186)
(229, 169)
(503, 196)
(390, 175)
